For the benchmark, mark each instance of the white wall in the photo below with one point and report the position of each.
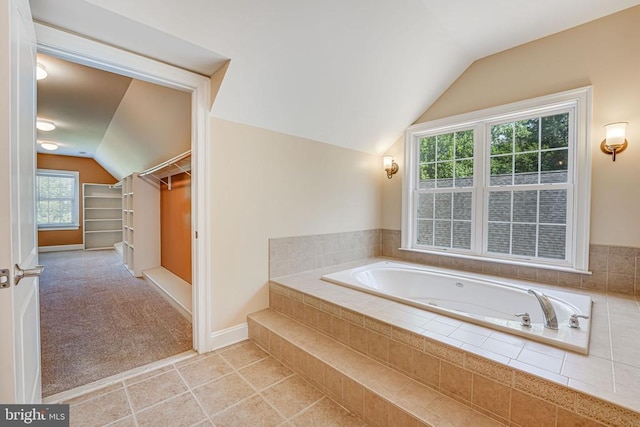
(152, 124)
(603, 53)
(266, 184)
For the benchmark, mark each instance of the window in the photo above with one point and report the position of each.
(510, 183)
(57, 199)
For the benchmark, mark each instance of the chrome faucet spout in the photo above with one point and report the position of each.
(550, 318)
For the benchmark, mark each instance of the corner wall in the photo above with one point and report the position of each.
(603, 53)
(91, 172)
(270, 185)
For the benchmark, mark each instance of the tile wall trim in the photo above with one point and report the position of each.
(614, 268)
(291, 255)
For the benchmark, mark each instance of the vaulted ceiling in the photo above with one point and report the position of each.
(351, 73)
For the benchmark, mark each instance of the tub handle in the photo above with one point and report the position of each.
(574, 322)
(526, 319)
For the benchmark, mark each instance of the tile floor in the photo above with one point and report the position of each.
(239, 385)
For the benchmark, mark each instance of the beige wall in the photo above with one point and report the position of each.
(603, 53)
(266, 184)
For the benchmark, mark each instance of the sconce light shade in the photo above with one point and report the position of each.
(390, 166)
(41, 72)
(615, 140)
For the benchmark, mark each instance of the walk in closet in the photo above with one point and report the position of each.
(156, 227)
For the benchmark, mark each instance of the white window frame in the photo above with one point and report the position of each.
(578, 103)
(75, 224)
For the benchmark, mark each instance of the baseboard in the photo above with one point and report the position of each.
(173, 288)
(228, 336)
(61, 248)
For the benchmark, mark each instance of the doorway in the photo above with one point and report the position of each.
(75, 49)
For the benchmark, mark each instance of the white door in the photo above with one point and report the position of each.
(19, 304)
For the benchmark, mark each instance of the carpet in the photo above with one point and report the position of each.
(96, 320)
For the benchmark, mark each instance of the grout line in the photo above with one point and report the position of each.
(190, 390)
(133, 414)
(258, 392)
(613, 371)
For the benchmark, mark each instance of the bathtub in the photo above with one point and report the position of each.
(490, 302)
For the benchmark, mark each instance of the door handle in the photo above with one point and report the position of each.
(29, 272)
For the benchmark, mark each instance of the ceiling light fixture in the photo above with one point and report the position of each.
(45, 125)
(48, 145)
(41, 72)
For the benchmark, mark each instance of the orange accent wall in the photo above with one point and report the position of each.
(175, 226)
(89, 171)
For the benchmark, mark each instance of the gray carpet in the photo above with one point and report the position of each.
(96, 320)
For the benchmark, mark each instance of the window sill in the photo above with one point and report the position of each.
(519, 263)
(58, 228)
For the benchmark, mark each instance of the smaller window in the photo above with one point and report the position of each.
(57, 199)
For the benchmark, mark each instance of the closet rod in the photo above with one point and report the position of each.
(163, 165)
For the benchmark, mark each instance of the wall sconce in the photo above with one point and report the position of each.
(615, 140)
(389, 165)
(41, 72)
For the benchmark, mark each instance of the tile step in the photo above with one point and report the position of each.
(372, 391)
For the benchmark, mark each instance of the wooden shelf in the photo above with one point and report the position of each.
(102, 219)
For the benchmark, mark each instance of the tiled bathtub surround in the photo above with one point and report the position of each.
(290, 255)
(614, 268)
(471, 364)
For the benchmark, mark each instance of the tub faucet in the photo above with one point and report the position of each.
(550, 319)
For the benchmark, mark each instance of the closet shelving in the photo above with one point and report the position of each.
(102, 220)
(163, 172)
(140, 224)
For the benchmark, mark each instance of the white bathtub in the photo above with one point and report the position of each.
(475, 298)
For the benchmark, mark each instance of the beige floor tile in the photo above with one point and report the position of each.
(265, 373)
(254, 411)
(125, 422)
(180, 411)
(218, 395)
(326, 413)
(195, 358)
(204, 370)
(146, 375)
(155, 389)
(292, 395)
(242, 354)
(95, 393)
(100, 410)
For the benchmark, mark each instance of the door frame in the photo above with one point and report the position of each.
(94, 54)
